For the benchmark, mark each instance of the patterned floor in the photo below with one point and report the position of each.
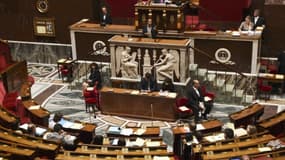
(68, 100)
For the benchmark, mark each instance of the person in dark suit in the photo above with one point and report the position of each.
(148, 83)
(281, 66)
(195, 96)
(105, 17)
(257, 20)
(167, 85)
(149, 30)
(95, 76)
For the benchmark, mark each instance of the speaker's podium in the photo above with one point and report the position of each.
(166, 16)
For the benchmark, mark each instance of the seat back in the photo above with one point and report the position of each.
(191, 20)
(181, 102)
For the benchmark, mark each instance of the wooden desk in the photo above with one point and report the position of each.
(7, 119)
(272, 121)
(245, 143)
(244, 49)
(247, 115)
(211, 126)
(38, 116)
(87, 157)
(121, 102)
(227, 155)
(33, 142)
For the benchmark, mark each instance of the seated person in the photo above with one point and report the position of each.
(246, 25)
(105, 17)
(56, 118)
(69, 142)
(95, 76)
(149, 30)
(56, 135)
(148, 83)
(98, 140)
(229, 133)
(167, 85)
(187, 147)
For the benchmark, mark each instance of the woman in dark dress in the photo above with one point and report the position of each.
(95, 76)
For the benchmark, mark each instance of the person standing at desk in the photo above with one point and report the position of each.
(257, 20)
(149, 30)
(148, 83)
(105, 17)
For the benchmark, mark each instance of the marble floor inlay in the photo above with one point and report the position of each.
(66, 98)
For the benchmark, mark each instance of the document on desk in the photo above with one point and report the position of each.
(240, 132)
(264, 149)
(135, 92)
(40, 131)
(215, 138)
(139, 142)
(153, 144)
(114, 130)
(126, 131)
(200, 127)
(65, 123)
(35, 107)
(139, 131)
(76, 126)
(161, 158)
(172, 95)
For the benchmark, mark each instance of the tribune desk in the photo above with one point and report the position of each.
(125, 102)
(243, 49)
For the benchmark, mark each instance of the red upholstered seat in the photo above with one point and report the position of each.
(264, 89)
(182, 109)
(65, 72)
(91, 98)
(3, 63)
(206, 93)
(272, 68)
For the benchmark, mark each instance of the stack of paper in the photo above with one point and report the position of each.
(126, 131)
(139, 142)
(153, 144)
(215, 138)
(240, 132)
(40, 131)
(76, 126)
(35, 107)
(200, 127)
(161, 158)
(172, 95)
(114, 130)
(139, 131)
(264, 149)
(183, 108)
(65, 123)
(135, 92)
